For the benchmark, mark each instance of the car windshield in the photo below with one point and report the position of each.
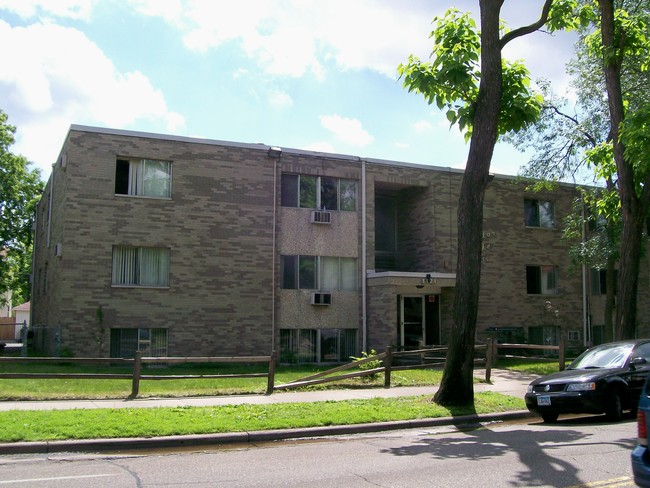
(603, 357)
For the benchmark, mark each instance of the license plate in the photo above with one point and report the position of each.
(544, 400)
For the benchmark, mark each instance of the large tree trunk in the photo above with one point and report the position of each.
(457, 385)
(634, 208)
(610, 300)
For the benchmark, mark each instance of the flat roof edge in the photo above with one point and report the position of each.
(409, 274)
(167, 137)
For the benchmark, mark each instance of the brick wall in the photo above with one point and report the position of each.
(219, 227)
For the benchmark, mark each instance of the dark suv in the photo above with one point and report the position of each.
(604, 379)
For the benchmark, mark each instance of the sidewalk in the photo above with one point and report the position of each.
(503, 381)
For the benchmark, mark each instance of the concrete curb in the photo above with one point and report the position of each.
(123, 444)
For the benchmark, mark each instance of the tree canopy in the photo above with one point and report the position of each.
(607, 131)
(486, 97)
(20, 189)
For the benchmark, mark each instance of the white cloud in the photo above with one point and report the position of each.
(170, 10)
(296, 37)
(55, 76)
(422, 126)
(280, 99)
(72, 9)
(319, 146)
(347, 130)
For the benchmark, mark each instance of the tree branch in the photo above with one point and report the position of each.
(528, 29)
(587, 135)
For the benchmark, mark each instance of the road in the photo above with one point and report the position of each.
(582, 452)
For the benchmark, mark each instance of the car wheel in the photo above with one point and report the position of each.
(550, 417)
(613, 406)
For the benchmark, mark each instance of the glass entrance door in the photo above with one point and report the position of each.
(412, 331)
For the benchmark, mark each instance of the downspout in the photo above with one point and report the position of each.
(273, 259)
(585, 311)
(32, 277)
(364, 264)
(49, 210)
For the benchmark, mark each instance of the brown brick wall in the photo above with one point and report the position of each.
(218, 226)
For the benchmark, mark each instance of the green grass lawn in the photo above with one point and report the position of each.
(57, 389)
(20, 425)
(524, 365)
(67, 389)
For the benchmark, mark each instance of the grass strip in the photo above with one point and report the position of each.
(30, 425)
(71, 389)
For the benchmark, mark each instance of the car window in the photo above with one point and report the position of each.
(643, 351)
(603, 357)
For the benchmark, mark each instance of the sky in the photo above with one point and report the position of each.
(304, 74)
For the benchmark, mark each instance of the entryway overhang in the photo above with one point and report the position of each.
(420, 282)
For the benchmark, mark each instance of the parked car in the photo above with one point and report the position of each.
(604, 379)
(641, 454)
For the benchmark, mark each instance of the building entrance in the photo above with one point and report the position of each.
(412, 333)
(419, 321)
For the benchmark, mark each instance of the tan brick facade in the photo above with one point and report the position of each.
(227, 233)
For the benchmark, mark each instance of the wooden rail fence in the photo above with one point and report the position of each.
(136, 363)
(385, 362)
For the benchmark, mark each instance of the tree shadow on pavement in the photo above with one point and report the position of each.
(533, 447)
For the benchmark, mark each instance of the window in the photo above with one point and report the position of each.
(599, 281)
(573, 335)
(324, 273)
(320, 192)
(317, 345)
(298, 272)
(385, 233)
(338, 273)
(539, 213)
(597, 222)
(541, 280)
(150, 342)
(143, 177)
(348, 197)
(140, 266)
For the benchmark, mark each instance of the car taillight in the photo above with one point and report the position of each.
(642, 429)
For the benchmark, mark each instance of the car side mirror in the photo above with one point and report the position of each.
(637, 362)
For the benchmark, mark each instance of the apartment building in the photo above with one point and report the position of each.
(181, 246)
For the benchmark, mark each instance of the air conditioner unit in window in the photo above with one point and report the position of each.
(321, 298)
(321, 217)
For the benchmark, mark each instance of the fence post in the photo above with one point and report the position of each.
(137, 369)
(488, 359)
(561, 353)
(23, 339)
(271, 379)
(388, 362)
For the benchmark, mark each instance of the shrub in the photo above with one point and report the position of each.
(368, 365)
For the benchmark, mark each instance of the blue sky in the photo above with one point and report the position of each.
(307, 74)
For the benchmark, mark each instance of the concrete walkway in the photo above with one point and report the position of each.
(503, 381)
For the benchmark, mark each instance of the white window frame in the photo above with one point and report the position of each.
(573, 335)
(139, 184)
(145, 338)
(548, 275)
(140, 267)
(319, 187)
(345, 276)
(545, 213)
